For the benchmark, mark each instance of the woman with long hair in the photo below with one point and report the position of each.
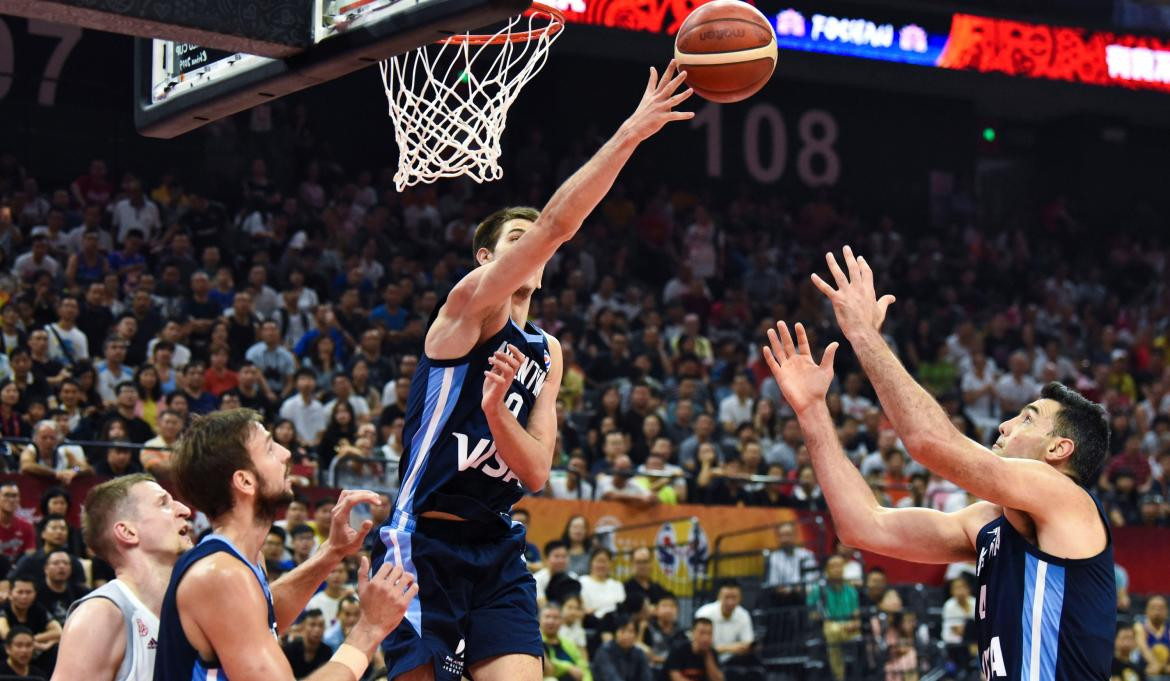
(342, 426)
(284, 433)
(576, 537)
(766, 422)
(57, 501)
(12, 423)
(151, 394)
(653, 428)
(322, 359)
(601, 594)
(359, 377)
(86, 376)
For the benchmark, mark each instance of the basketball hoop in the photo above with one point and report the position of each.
(449, 101)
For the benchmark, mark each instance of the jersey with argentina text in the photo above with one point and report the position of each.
(1039, 617)
(450, 462)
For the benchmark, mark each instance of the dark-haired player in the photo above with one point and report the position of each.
(220, 617)
(1046, 605)
(480, 429)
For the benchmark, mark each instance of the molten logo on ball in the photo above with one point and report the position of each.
(728, 49)
(722, 33)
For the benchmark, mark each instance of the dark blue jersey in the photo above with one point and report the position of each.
(176, 658)
(449, 461)
(1042, 618)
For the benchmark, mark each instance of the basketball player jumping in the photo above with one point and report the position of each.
(110, 635)
(480, 429)
(1046, 605)
(220, 618)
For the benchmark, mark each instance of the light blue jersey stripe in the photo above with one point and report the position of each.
(1026, 617)
(1040, 619)
(443, 387)
(1053, 607)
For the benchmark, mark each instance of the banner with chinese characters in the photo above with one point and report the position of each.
(960, 41)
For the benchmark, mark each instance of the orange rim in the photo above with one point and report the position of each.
(556, 21)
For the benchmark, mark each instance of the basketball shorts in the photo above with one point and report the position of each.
(476, 597)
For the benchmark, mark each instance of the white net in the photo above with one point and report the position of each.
(449, 101)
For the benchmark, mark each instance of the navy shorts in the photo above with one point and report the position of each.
(476, 597)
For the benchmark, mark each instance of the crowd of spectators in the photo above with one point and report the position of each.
(132, 300)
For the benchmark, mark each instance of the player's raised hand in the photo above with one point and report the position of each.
(497, 379)
(855, 301)
(344, 540)
(803, 382)
(385, 596)
(658, 101)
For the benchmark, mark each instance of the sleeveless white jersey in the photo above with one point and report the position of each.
(141, 630)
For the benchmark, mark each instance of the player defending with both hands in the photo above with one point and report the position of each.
(1046, 605)
(220, 618)
(480, 429)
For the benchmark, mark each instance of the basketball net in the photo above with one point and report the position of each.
(449, 101)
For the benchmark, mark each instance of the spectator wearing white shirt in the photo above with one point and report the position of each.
(112, 371)
(733, 634)
(601, 594)
(620, 486)
(790, 568)
(328, 600)
(736, 408)
(171, 332)
(957, 611)
(136, 212)
(979, 384)
(571, 484)
(343, 390)
(305, 411)
(853, 403)
(67, 343)
(273, 359)
(555, 574)
(1018, 387)
(37, 260)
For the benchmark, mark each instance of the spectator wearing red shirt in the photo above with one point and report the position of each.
(17, 536)
(93, 189)
(1131, 459)
(219, 379)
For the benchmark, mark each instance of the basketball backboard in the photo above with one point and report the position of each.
(180, 86)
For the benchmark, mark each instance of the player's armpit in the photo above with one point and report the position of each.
(221, 603)
(93, 643)
(924, 535)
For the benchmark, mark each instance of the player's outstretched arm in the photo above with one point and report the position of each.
(1030, 486)
(528, 452)
(293, 590)
(917, 534)
(93, 643)
(490, 286)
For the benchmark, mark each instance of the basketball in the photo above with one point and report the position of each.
(728, 49)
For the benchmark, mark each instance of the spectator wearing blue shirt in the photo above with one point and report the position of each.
(390, 313)
(199, 401)
(273, 359)
(326, 324)
(531, 552)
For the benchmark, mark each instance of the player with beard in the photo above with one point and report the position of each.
(220, 617)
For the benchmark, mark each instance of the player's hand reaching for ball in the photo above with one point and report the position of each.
(658, 101)
(496, 380)
(855, 301)
(385, 596)
(803, 382)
